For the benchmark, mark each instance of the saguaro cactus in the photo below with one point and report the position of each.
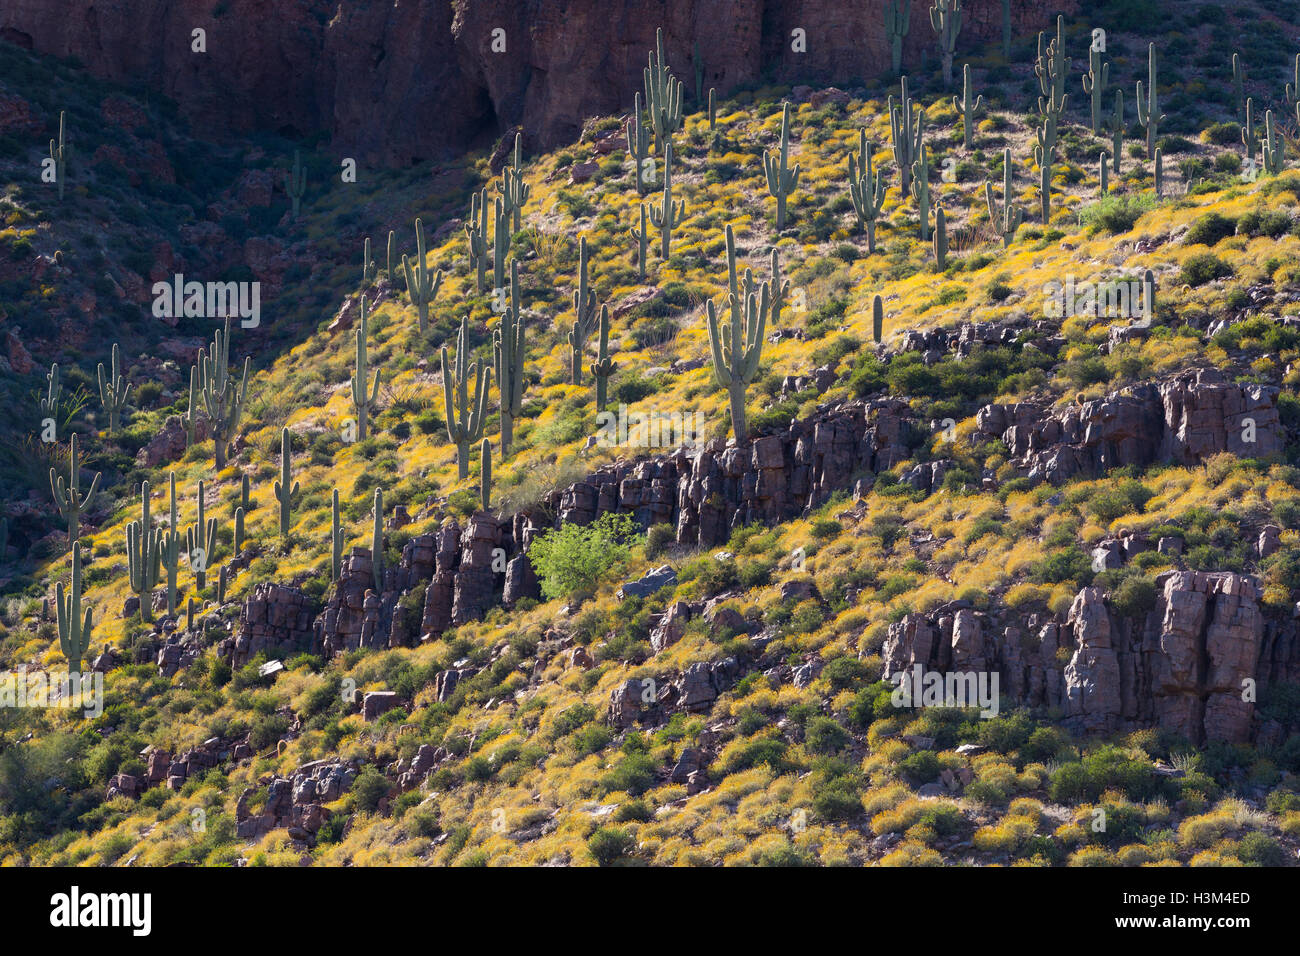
(295, 183)
(877, 319)
(584, 314)
(1238, 81)
(191, 419)
(113, 391)
(369, 268)
(777, 288)
(781, 179)
(465, 419)
(940, 241)
(1274, 146)
(737, 349)
(336, 538)
(419, 286)
(642, 237)
(945, 18)
(1159, 167)
(1094, 84)
(1006, 29)
(223, 399)
(170, 550)
(668, 213)
(663, 95)
(603, 367)
(1249, 133)
(866, 189)
(363, 399)
(377, 541)
(713, 110)
(201, 540)
(67, 495)
(239, 530)
(508, 347)
(283, 493)
(908, 134)
(74, 629)
(476, 236)
(514, 191)
(1008, 216)
(1115, 128)
(1051, 68)
(1149, 114)
(1293, 88)
(59, 152)
(50, 403)
(500, 246)
(898, 21)
(143, 555)
(967, 106)
(921, 190)
(392, 259)
(485, 475)
(638, 143)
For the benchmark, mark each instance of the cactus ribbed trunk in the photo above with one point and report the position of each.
(736, 397)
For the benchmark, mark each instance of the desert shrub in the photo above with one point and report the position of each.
(1202, 268)
(575, 558)
(609, 844)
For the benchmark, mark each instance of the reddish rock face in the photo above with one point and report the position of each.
(412, 79)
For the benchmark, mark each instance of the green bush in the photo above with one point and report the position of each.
(575, 558)
(610, 844)
(1202, 268)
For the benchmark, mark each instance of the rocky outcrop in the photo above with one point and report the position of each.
(1183, 420)
(296, 802)
(275, 618)
(410, 80)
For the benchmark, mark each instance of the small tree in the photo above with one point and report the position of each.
(575, 558)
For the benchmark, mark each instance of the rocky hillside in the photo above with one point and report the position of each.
(445, 612)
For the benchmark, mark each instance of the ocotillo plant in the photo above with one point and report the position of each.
(369, 268)
(485, 475)
(1008, 216)
(877, 319)
(465, 419)
(283, 492)
(50, 403)
(866, 189)
(945, 19)
(1051, 69)
(781, 179)
(239, 531)
(514, 191)
(667, 213)
(638, 144)
(223, 399)
(1094, 84)
(113, 391)
(377, 542)
(476, 231)
(143, 555)
(1149, 114)
(363, 398)
(170, 550)
(603, 367)
(663, 95)
(1274, 146)
(642, 237)
(201, 540)
(67, 495)
(967, 106)
(940, 242)
(921, 190)
(737, 349)
(419, 286)
(908, 133)
(898, 20)
(508, 347)
(1115, 127)
(74, 629)
(59, 152)
(295, 183)
(584, 314)
(191, 419)
(336, 538)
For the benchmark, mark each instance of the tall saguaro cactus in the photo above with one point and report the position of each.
(336, 538)
(74, 629)
(642, 237)
(1051, 68)
(223, 398)
(1094, 84)
(603, 367)
(485, 475)
(584, 314)
(500, 246)
(170, 550)
(781, 179)
(295, 183)
(866, 188)
(191, 419)
(283, 492)
(67, 495)
(419, 285)
(1149, 114)
(663, 95)
(1008, 216)
(476, 237)
(898, 21)
(113, 390)
(465, 418)
(59, 152)
(967, 105)
(143, 555)
(201, 540)
(508, 347)
(737, 348)
(377, 541)
(50, 403)
(945, 18)
(362, 397)
(1274, 146)
(921, 190)
(907, 134)
(638, 144)
(668, 213)
(514, 191)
